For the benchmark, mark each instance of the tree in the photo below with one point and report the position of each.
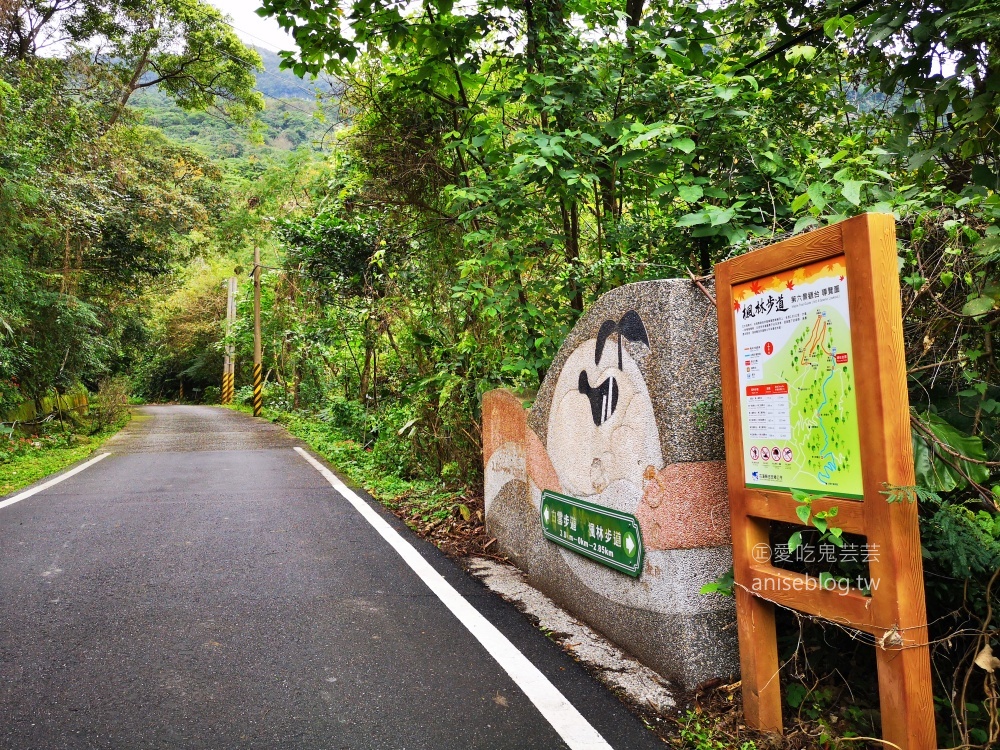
(184, 47)
(539, 153)
(187, 50)
(94, 207)
(935, 64)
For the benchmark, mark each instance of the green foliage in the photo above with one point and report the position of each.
(502, 165)
(697, 732)
(31, 465)
(27, 455)
(341, 256)
(61, 346)
(944, 458)
(965, 543)
(96, 210)
(293, 117)
(708, 411)
(722, 585)
(109, 406)
(91, 215)
(820, 520)
(366, 468)
(191, 54)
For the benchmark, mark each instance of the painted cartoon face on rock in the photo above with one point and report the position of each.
(602, 428)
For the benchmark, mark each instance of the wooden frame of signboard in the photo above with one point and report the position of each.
(895, 613)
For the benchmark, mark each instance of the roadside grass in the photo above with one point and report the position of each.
(25, 460)
(701, 732)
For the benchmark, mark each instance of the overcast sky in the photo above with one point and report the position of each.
(261, 32)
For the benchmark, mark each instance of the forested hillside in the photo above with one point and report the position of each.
(95, 207)
(468, 187)
(297, 113)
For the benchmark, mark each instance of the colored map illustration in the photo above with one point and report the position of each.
(800, 421)
(821, 403)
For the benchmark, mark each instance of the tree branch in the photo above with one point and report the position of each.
(798, 38)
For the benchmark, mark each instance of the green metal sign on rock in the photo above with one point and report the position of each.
(607, 536)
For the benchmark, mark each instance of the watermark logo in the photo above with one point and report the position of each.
(762, 554)
(810, 583)
(816, 553)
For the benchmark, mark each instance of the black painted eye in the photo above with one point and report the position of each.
(603, 398)
(630, 327)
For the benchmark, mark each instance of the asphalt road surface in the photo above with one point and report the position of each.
(204, 586)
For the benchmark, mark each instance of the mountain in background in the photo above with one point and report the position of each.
(283, 84)
(297, 113)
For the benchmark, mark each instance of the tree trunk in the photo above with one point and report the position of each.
(296, 382)
(571, 228)
(366, 373)
(64, 289)
(705, 255)
(140, 68)
(609, 203)
(634, 8)
(27, 37)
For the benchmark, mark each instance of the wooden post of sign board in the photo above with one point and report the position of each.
(904, 672)
(895, 613)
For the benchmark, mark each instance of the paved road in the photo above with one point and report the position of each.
(205, 587)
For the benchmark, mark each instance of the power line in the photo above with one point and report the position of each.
(252, 36)
(275, 51)
(253, 68)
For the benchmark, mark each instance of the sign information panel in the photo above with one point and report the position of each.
(607, 536)
(796, 381)
(796, 417)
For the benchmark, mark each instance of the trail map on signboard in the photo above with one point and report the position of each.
(796, 375)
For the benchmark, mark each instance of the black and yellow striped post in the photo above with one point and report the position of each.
(258, 384)
(228, 365)
(258, 391)
(228, 388)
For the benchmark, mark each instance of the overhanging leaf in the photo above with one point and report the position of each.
(690, 193)
(721, 216)
(683, 144)
(978, 306)
(852, 191)
(693, 220)
(938, 469)
(817, 195)
(800, 201)
(794, 541)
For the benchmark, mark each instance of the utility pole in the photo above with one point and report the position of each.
(228, 367)
(258, 385)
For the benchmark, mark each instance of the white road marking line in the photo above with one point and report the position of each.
(575, 730)
(55, 480)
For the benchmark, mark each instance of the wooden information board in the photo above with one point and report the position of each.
(814, 399)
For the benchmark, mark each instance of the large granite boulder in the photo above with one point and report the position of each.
(627, 419)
